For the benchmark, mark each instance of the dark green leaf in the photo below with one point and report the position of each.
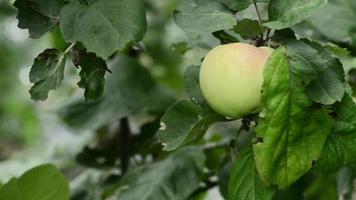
(174, 178)
(92, 74)
(192, 86)
(38, 16)
(245, 183)
(46, 73)
(224, 177)
(238, 5)
(129, 90)
(40, 183)
(203, 16)
(340, 149)
(291, 133)
(283, 35)
(185, 122)
(327, 85)
(225, 37)
(248, 28)
(285, 13)
(104, 26)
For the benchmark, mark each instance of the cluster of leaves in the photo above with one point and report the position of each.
(96, 25)
(307, 117)
(307, 124)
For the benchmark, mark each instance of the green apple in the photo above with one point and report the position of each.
(231, 78)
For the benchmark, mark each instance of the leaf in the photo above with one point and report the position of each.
(38, 16)
(245, 183)
(203, 16)
(129, 90)
(327, 84)
(185, 122)
(223, 177)
(225, 37)
(174, 178)
(40, 183)
(248, 28)
(339, 149)
(341, 14)
(46, 73)
(92, 73)
(291, 132)
(192, 86)
(286, 13)
(238, 5)
(104, 26)
(337, 50)
(181, 47)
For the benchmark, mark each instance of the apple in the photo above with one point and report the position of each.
(231, 77)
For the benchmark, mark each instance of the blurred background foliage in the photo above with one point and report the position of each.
(33, 133)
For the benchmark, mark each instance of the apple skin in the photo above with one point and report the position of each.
(231, 77)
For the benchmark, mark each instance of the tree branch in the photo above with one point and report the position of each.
(124, 137)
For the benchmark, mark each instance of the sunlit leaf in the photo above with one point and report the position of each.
(40, 183)
(291, 133)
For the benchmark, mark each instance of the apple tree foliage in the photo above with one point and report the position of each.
(297, 147)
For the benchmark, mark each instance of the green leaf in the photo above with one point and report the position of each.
(104, 26)
(285, 13)
(46, 73)
(238, 5)
(341, 14)
(225, 37)
(174, 178)
(92, 73)
(339, 149)
(224, 176)
(248, 28)
(245, 183)
(40, 183)
(203, 16)
(327, 84)
(291, 133)
(192, 86)
(129, 90)
(185, 122)
(337, 50)
(38, 16)
(181, 47)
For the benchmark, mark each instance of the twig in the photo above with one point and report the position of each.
(258, 15)
(69, 48)
(208, 185)
(124, 137)
(214, 145)
(267, 34)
